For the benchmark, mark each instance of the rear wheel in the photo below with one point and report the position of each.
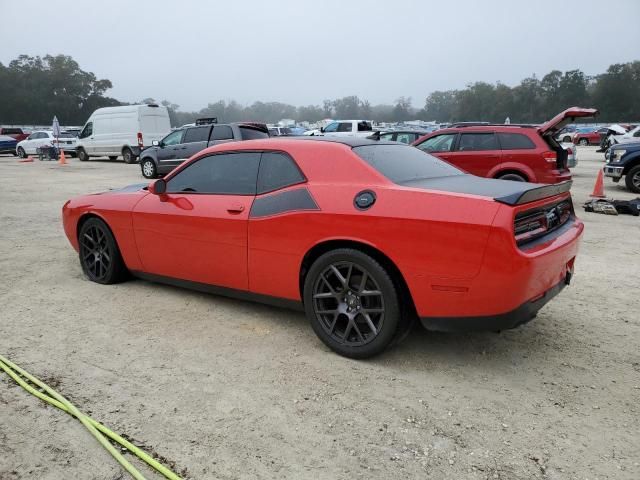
(21, 153)
(584, 142)
(148, 168)
(632, 179)
(113, 157)
(99, 254)
(352, 303)
(82, 155)
(566, 139)
(128, 155)
(512, 176)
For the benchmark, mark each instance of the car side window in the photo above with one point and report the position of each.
(222, 174)
(174, 138)
(386, 136)
(86, 131)
(439, 143)
(249, 133)
(332, 127)
(405, 138)
(363, 127)
(637, 134)
(515, 141)
(197, 134)
(277, 170)
(222, 132)
(344, 127)
(477, 141)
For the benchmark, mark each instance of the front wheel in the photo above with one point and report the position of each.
(82, 155)
(21, 153)
(99, 254)
(584, 142)
(632, 179)
(352, 303)
(128, 155)
(148, 168)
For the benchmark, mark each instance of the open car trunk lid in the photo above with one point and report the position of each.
(554, 125)
(503, 191)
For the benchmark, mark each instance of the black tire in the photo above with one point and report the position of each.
(99, 253)
(566, 139)
(82, 155)
(349, 323)
(21, 153)
(113, 157)
(148, 167)
(514, 177)
(632, 179)
(128, 155)
(583, 142)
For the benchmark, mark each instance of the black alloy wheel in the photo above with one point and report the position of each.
(99, 254)
(21, 153)
(352, 303)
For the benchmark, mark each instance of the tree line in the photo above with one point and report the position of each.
(34, 89)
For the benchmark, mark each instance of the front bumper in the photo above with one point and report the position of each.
(504, 321)
(613, 172)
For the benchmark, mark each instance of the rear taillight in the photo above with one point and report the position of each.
(140, 144)
(530, 225)
(549, 156)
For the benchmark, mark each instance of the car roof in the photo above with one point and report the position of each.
(349, 141)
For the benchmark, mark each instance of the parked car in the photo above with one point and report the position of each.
(179, 145)
(404, 136)
(127, 130)
(345, 128)
(17, 133)
(565, 134)
(623, 160)
(7, 144)
(279, 131)
(589, 136)
(42, 138)
(523, 153)
(305, 223)
(632, 135)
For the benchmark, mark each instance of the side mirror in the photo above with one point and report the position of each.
(158, 187)
(322, 129)
(155, 143)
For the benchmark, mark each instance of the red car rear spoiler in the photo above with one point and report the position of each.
(533, 194)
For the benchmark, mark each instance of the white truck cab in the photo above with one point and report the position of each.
(347, 128)
(126, 130)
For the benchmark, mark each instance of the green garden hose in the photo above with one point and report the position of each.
(96, 428)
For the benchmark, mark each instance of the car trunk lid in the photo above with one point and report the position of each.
(554, 125)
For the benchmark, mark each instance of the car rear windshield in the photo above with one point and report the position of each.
(249, 133)
(402, 163)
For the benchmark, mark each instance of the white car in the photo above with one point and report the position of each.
(345, 128)
(41, 138)
(631, 136)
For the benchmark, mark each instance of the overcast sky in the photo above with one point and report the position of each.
(301, 52)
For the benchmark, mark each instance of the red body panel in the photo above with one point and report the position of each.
(592, 137)
(456, 252)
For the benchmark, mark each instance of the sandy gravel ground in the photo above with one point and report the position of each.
(227, 389)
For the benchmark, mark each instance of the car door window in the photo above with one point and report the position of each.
(387, 136)
(225, 173)
(198, 134)
(174, 138)
(344, 127)
(222, 132)
(332, 127)
(515, 141)
(405, 138)
(363, 127)
(477, 141)
(439, 143)
(277, 170)
(87, 131)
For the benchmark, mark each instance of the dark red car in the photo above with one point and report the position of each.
(14, 132)
(587, 136)
(509, 152)
(364, 235)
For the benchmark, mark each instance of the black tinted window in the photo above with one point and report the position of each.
(87, 131)
(401, 163)
(249, 133)
(477, 141)
(344, 127)
(364, 127)
(222, 132)
(515, 141)
(11, 131)
(199, 134)
(225, 173)
(277, 170)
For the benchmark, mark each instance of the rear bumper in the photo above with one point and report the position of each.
(504, 321)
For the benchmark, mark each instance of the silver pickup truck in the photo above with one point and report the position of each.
(183, 143)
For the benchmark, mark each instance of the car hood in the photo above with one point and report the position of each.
(136, 187)
(503, 191)
(554, 125)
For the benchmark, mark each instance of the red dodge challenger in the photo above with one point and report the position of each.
(364, 235)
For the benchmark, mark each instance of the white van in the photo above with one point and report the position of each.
(126, 131)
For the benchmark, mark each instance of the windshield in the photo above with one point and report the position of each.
(401, 164)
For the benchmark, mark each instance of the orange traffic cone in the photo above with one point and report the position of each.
(62, 161)
(29, 159)
(598, 188)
